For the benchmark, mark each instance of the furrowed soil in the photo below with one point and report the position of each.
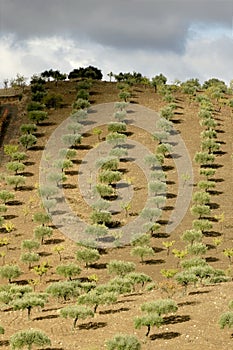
(195, 324)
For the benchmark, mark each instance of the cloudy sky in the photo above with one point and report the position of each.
(181, 39)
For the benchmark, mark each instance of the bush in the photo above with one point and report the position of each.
(141, 252)
(10, 272)
(123, 342)
(15, 167)
(76, 313)
(37, 116)
(116, 127)
(87, 72)
(28, 338)
(16, 181)
(83, 94)
(120, 268)
(6, 196)
(35, 106)
(88, 256)
(28, 140)
(109, 176)
(101, 217)
(40, 232)
(68, 271)
(53, 100)
(80, 103)
(64, 290)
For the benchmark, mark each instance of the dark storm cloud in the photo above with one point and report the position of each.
(133, 24)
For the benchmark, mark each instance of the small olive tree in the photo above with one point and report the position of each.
(28, 338)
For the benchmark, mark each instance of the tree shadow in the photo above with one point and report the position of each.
(72, 172)
(44, 254)
(84, 147)
(92, 325)
(171, 195)
(28, 163)
(170, 182)
(39, 134)
(9, 217)
(37, 148)
(160, 235)
(168, 207)
(98, 266)
(54, 241)
(214, 192)
(51, 309)
(157, 249)
(173, 319)
(53, 349)
(213, 205)
(69, 186)
(4, 343)
(218, 180)
(199, 292)
(14, 202)
(211, 234)
(167, 167)
(188, 303)
(210, 246)
(26, 174)
(47, 317)
(211, 259)
(26, 188)
(107, 312)
(165, 335)
(47, 124)
(154, 261)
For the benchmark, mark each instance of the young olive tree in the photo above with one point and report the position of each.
(10, 272)
(28, 338)
(142, 252)
(37, 116)
(68, 270)
(120, 268)
(28, 140)
(87, 256)
(40, 232)
(76, 312)
(123, 341)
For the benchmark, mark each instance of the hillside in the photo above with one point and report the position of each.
(195, 324)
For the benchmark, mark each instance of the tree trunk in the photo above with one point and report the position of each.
(29, 312)
(75, 321)
(148, 331)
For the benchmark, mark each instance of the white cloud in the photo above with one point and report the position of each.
(206, 55)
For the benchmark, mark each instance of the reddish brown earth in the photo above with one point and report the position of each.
(195, 324)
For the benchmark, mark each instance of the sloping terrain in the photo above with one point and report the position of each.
(195, 324)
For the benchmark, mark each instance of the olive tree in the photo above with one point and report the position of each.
(6, 196)
(68, 270)
(28, 338)
(16, 181)
(142, 252)
(40, 232)
(37, 116)
(88, 256)
(15, 167)
(29, 258)
(76, 312)
(28, 140)
(123, 342)
(120, 268)
(94, 298)
(148, 320)
(10, 272)
(29, 301)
